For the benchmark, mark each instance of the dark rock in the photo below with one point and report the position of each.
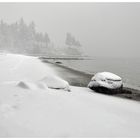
(58, 62)
(106, 90)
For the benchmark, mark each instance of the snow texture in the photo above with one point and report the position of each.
(56, 113)
(29, 73)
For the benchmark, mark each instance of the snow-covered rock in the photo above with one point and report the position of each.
(106, 80)
(56, 83)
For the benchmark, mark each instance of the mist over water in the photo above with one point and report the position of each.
(103, 29)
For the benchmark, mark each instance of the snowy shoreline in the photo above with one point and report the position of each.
(129, 92)
(47, 112)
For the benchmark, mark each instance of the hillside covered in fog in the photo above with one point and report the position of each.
(21, 38)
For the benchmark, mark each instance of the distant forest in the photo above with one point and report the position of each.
(21, 38)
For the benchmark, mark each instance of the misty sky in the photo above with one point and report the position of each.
(104, 29)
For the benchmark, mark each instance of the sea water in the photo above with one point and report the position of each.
(127, 68)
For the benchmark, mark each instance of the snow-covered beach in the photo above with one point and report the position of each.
(32, 109)
(79, 78)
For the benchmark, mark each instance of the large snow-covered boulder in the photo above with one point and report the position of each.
(106, 82)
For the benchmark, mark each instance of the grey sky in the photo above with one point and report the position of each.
(104, 29)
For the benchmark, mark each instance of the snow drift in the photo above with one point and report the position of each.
(29, 73)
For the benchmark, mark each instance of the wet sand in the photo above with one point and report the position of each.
(74, 77)
(78, 78)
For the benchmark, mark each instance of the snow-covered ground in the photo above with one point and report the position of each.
(28, 108)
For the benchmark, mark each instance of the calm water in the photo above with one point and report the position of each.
(128, 69)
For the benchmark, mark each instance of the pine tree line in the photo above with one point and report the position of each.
(21, 38)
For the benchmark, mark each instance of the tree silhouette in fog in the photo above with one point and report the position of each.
(21, 38)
